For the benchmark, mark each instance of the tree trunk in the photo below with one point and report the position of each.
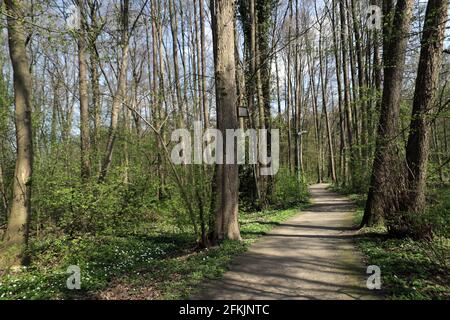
(203, 64)
(378, 80)
(277, 77)
(354, 89)
(289, 90)
(227, 226)
(3, 194)
(385, 185)
(4, 115)
(417, 150)
(95, 83)
(84, 97)
(298, 95)
(361, 84)
(16, 236)
(55, 108)
(324, 83)
(174, 28)
(317, 125)
(119, 95)
(342, 158)
(347, 102)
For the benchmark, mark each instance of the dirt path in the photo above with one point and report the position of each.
(311, 256)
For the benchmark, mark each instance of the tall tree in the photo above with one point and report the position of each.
(383, 189)
(94, 32)
(346, 88)
(342, 157)
(324, 86)
(289, 87)
(378, 78)
(417, 150)
(203, 64)
(16, 236)
(120, 92)
(226, 223)
(84, 96)
(174, 28)
(361, 81)
(4, 126)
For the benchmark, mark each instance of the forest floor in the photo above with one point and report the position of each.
(306, 252)
(152, 263)
(410, 269)
(310, 256)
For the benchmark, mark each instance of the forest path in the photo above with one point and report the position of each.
(310, 256)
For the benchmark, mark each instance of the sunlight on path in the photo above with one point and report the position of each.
(311, 256)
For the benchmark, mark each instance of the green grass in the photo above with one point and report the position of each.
(411, 270)
(141, 267)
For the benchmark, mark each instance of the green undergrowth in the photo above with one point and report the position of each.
(411, 270)
(154, 266)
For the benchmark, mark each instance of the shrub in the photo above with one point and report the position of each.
(288, 190)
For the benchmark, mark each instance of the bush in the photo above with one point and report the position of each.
(439, 212)
(434, 221)
(71, 207)
(288, 190)
(247, 190)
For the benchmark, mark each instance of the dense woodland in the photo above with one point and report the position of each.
(88, 107)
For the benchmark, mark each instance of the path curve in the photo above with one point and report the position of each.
(310, 256)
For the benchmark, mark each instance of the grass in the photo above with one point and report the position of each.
(411, 270)
(138, 267)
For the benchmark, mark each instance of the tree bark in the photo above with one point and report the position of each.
(95, 83)
(324, 86)
(417, 150)
(342, 157)
(289, 90)
(119, 95)
(361, 84)
(203, 64)
(384, 187)
(3, 194)
(378, 79)
(346, 88)
(84, 97)
(16, 236)
(227, 226)
(174, 28)
(317, 125)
